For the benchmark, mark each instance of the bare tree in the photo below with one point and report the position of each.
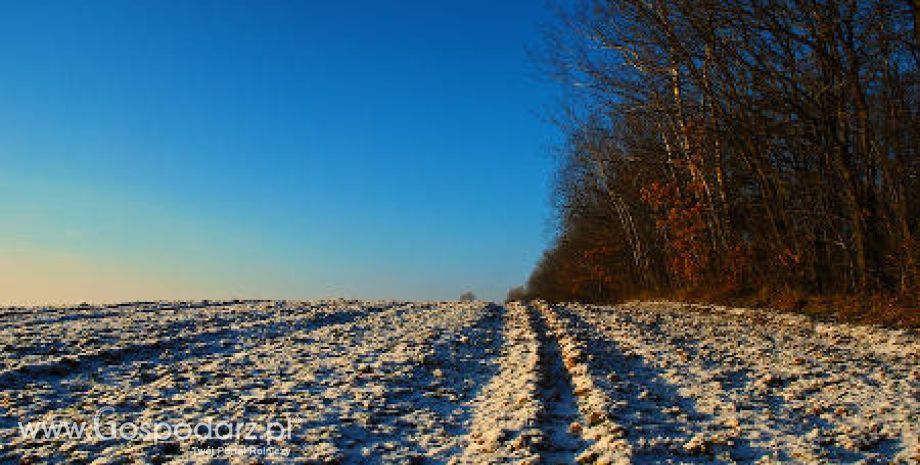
(741, 144)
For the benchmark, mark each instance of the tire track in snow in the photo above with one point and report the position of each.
(662, 425)
(602, 437)
(766, 388)
(542, 407)
(560, 420)
(506, 413)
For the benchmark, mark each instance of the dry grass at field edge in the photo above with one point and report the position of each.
(892, 312)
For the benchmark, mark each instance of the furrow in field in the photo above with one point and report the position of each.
(658, 423)
(387, 388)
(86, 330)
(764, 388)
(601, 437)
(179, 338)
(408, 383)
(506, 414)
(49, 318)
(146, 383)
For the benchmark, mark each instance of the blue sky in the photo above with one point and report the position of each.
(194, 149)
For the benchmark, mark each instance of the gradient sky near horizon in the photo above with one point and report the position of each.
(284, 149)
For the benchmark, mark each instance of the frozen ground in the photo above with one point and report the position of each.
(355, 382)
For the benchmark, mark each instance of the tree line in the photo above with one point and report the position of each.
(739, 146)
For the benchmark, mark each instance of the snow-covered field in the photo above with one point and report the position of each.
(349, 382)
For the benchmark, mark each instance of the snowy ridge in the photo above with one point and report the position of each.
(607, 446)
(506, 412)
(751, 386)
(414, 383)
(365, 382)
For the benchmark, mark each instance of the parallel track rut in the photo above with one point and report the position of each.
(454, 383)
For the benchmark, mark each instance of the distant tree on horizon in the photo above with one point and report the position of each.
(468, 296)
(515, 294)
